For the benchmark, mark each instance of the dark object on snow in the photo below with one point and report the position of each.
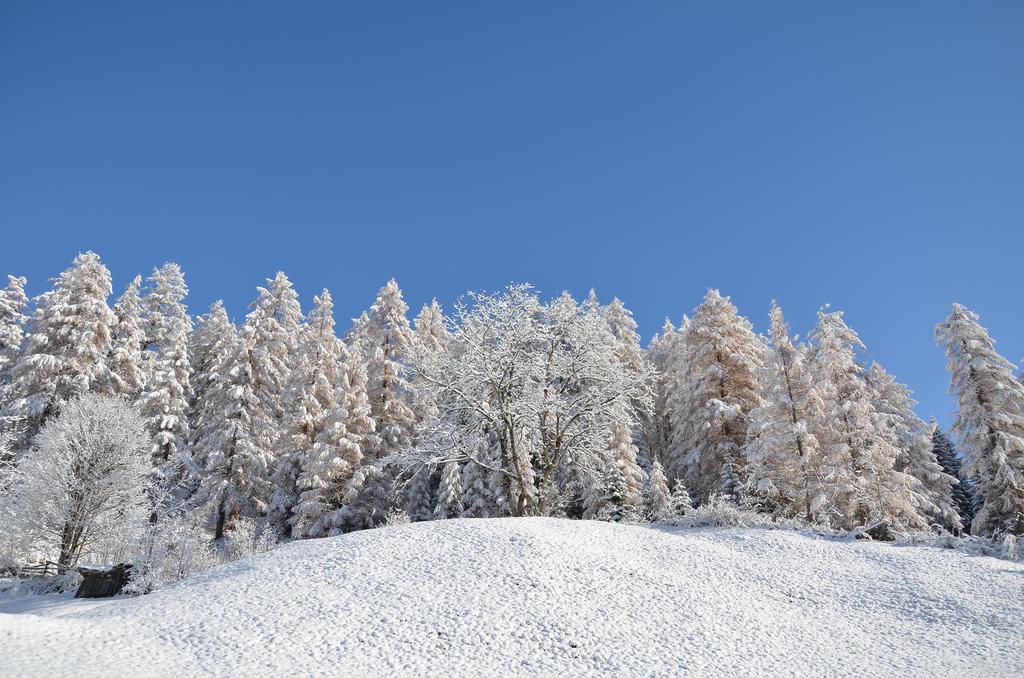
(880, 531)
(103, 582)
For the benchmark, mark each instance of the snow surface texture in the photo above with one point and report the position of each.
(546, 597)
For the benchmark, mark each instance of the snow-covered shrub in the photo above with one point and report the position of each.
(722, 512)
(248, 538)
(172, 549)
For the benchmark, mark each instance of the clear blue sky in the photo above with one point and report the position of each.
(869, 155)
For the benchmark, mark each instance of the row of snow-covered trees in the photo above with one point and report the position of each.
(509, 406)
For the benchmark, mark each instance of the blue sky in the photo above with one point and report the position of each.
(868, 155)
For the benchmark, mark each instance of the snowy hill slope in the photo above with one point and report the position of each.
(543, 596)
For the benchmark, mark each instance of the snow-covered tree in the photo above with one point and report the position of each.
(963, 491)
(624, 483)
(782, 448)
(658, 498)
(989, 425)
(318, 452)
(657, 427)
(235, 438)
(388, 343)
(542, 380)
(715, 388)
(84, 479)
(431, 333)
(64, 352)
(126, 356)
(620, 322)
(13, 303)
(206, 348)
(449, 492)
(894, 410)
(681, 502)
(360, 494)
(274, 324)
(164, 399)
(163, 310)
(860, 485)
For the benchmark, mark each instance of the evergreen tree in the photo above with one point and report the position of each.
(659, 499)
(657, 428)
(860, 483)
(310, 396)
(364, 499)
(894, 409)
(681, 502)
(126, 348)
(64, 352)
(274, 325)
(782, 448)
(164, 399)
(235, 439)
(13, 303)
(449, 493)
(318, 453)
(963, 491)
(205, 350)
(989, 424)
(713, 391)
(388, 343)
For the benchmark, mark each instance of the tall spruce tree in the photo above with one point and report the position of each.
(164, 399)
(714, 375)
(894, 408)
(64, 352)
(126, 348)
(989, 424)
(963, 491)
(235, 439)
(861, 486)
(782, 448)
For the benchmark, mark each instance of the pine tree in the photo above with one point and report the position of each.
(64, 352)
(431, 333)
(126, 349)
(623, 327)
(13, 303)
(963, 491)
(449, 493)
(274, 324)
(681, 502)
(714, 390)
(782, 448)
(205, 349)
(309, 395)
(387, 341)
(316, 448)
(364, 499)
(989, 425)
(164, 399)
(235, 438)
(860, 483)
(657, 428)
(894, 409)
(659, 499)
(612, 499)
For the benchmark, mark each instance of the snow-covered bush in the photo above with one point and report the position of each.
(170, 550)
(722, 512)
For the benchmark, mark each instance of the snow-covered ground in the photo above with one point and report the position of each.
(547, 597)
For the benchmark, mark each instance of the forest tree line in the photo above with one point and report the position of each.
(137, 423)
